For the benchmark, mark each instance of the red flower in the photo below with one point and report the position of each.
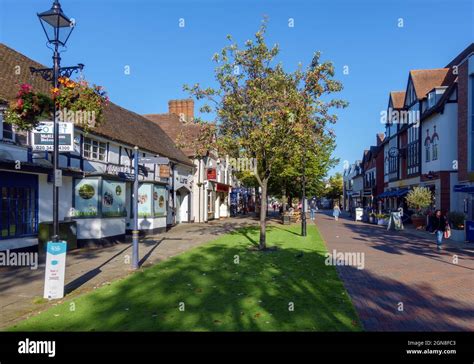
(19, 103)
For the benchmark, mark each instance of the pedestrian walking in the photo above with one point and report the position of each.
(312, 208)
(336, 212)
(439, 224)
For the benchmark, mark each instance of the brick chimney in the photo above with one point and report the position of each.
(183, 108)
(380, 138)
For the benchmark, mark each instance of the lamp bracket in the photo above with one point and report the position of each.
(48, 73)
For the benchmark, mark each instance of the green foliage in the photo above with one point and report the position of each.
(419, 198)
(334, 191)
(457, 219)
(280, 118)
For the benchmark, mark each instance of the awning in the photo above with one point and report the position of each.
(401, 192)
(385, 194)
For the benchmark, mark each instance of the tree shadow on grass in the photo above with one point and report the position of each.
(215, 292)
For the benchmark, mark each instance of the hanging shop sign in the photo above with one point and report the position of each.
(55, 270)
(211, 174)
(165, 171)
(43, 137)
(222, 188)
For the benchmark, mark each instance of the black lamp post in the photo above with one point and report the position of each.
(303, 204)
(57, 27)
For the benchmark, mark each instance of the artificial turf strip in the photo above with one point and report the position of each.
(221, 286)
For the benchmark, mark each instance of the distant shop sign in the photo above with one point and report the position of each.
(165, 171)
(211, 174)
(43, 137)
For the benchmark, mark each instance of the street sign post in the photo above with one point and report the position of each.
(43, 137)
(154, 160)
(55, 270)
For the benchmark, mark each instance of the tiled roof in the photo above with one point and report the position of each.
(425, 80)
(398, 98)
(15, 70)
(177, 130)
(120, 124)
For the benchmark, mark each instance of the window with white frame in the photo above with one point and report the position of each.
(94, 149)
(7, 129)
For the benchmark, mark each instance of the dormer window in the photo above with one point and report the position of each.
(431, 99)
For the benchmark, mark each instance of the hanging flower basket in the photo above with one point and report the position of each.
(79, 103)
(29, 108)
(76, 102)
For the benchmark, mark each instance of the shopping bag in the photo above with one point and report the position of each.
(447, 233)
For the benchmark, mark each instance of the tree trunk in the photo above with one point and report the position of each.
(263, 216)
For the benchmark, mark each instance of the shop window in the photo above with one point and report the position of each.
(18, 205)
(113, 199)
(159, 200)
(94, 197)
(93, 149)
(86, 198)
(145, 202)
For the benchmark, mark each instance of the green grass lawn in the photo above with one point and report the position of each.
(256, 294)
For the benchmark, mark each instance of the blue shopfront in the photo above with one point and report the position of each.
(18, 205)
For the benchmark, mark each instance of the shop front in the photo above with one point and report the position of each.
(152, 208)
(211, 200)
(222, 201)
(19, 208)
(100, 209)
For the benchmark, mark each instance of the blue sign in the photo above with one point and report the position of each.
(470, 231)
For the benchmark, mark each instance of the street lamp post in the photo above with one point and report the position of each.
(303, 204)
(135, 231)
(57, 27)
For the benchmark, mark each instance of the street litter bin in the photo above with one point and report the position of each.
(67, 232)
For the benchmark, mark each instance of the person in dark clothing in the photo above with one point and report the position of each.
(439, 225)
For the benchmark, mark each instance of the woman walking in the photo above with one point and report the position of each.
(439, 224)
(336, 211)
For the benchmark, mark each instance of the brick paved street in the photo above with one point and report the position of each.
(87, 269)
(404, 268)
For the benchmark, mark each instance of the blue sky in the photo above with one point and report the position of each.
(162, 56)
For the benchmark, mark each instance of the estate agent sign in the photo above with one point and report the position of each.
(43, 137)
(55, 269)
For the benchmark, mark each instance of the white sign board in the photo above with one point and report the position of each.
(55, 269)
(43, 137)
(153, 160)
(58, 178)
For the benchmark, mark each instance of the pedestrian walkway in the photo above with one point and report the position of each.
(405, 285)
(88, 269)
